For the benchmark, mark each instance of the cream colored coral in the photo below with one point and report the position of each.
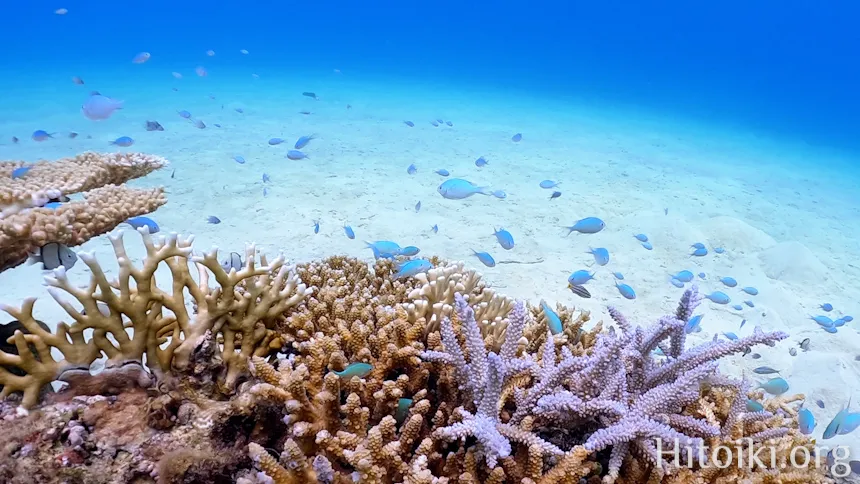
(434, 299)
(131, 316)
(73, 223)
(50, 179)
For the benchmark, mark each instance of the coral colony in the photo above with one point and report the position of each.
(335, 371)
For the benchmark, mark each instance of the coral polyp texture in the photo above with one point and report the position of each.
(25, 188)
(333, 371)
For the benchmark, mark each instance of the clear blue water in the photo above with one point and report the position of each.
(780, 67)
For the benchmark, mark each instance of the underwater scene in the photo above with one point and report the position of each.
(392, 242)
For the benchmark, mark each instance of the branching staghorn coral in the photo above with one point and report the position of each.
(133, 320)
(25, 225)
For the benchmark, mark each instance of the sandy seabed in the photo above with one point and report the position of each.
(785, 213)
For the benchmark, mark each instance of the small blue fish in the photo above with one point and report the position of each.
(830, 329)
(699, 252)
(647, 245)
(641, 237)
(500, 194)
(442, 172)
(549, 184)
(296, 155)
(485, 258)
(138, 222)
(517, 138)
(266, 178)
(213, 220)
(805, 421)
(626, 291)
(239, 159)
(729, 281)
(742, 324)
(41, 135)
(418, 206)
(618, 275)
(775, 386)
(275, 141)
(481, 162)
(676, 282)
(409, 123)
(265, 191)
(719, 297)
(409, 251)
(827, 307)
(838, 421)
(316, 226)
(348, 231)
(412, 169)
(719, 250)
(552, 319)
(434, 123)
(384, 249)
(239, 110)
(53, 205)
(684, 276)
(412, 267)
(697, 245)
(750, 290)
(849, 424)
(435, 228)
(601, 255)
(848, 319)
(506, 240)
(554, 195)
(360, 370)
(749, 303)
(754, 406)
(459, 189)
(588, 225)
(303, 141)
(822, 320)
(402, 411)
(702, 275)
(184, 114)
(730, 336)
(738, 307)
(20, 171)
(580, 277)
(693, 325)
(123, 141)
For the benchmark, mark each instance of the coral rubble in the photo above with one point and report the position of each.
(334, 372)
(26, 224)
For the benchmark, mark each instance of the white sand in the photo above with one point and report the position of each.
(786, 213)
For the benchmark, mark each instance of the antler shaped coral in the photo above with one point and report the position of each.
(241, 310)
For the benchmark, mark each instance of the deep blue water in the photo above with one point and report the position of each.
(785, 68)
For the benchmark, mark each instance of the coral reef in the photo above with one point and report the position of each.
(359, 377)
(26, 224)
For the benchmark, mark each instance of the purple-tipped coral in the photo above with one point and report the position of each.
(619, 397)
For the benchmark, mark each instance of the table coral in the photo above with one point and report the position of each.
(25, 225)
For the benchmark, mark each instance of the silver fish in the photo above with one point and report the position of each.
(53, 255)
(232, 262)
(765, 370)
(804, 345)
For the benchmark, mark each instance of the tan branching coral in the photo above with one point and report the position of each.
(25, 225)
(134, 321)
